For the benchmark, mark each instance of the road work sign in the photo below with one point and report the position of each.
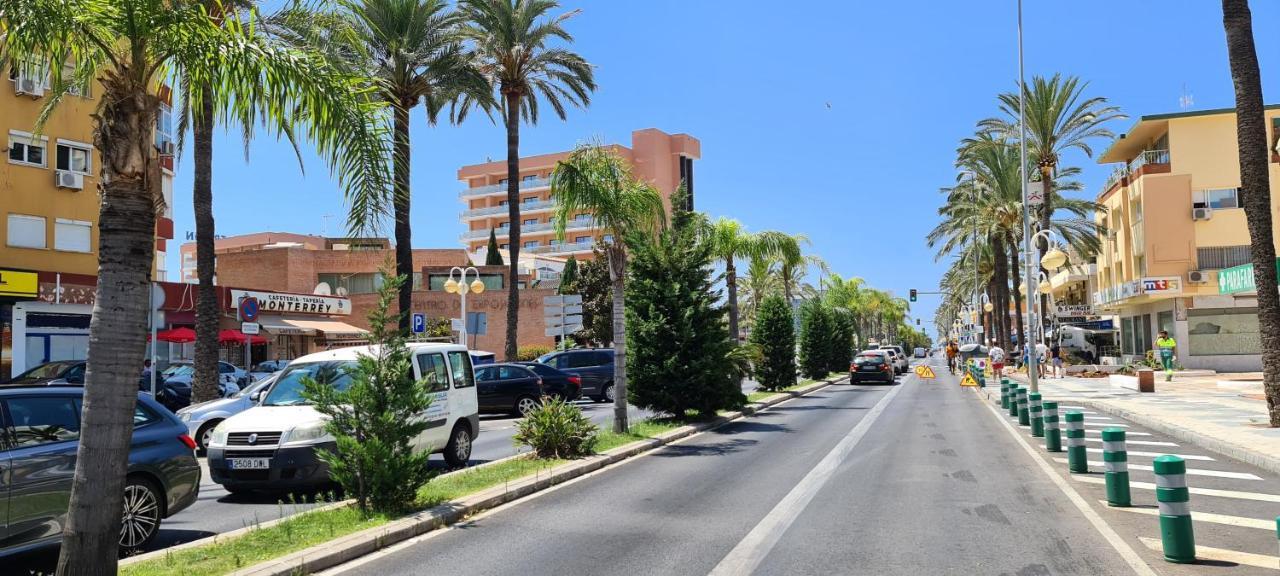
(968, 380)
(924, 371)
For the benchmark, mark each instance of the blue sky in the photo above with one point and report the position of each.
(835, 119)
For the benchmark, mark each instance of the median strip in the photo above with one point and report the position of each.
(319, 539)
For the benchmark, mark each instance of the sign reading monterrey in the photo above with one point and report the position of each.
(280, 302)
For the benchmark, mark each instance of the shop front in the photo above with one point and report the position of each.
(294, 325)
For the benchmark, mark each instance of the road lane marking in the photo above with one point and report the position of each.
(1108, 533)
(1097, 418)
(1154, 454)
(1241, 521)
(1139, 442)
(1222, 554)
(1259, 496)
(755, 546)
(1104, 424)
(1191, 471)
(1126, 432)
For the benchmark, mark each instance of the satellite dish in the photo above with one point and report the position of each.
(322, 289)
(342, 291)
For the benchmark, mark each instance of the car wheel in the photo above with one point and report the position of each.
(525, 405)
(607, 394)
(141, 520)
(458, 451)
(205, 434)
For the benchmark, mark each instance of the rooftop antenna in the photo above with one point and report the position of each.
(1186, 100)
(326, 218)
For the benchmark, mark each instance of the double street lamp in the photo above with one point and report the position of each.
(461, 287)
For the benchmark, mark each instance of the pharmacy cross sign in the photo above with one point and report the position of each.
(1239, 279)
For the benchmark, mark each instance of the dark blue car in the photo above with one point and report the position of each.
(39, 435)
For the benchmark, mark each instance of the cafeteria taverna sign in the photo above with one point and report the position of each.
(295, 303)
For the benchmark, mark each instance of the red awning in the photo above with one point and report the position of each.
(238, 337)
(177, 335)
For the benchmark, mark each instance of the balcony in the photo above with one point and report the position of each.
(563, 248)
(525, 185)
(1149, 161)
(525, 208)
(1147, 158)
(539, 227)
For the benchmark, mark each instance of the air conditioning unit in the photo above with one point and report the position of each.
(1197, 277)
(27, 86)
(168, 148)
(1201, 213)
(68, 179)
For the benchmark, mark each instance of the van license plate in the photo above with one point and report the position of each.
(249, 463)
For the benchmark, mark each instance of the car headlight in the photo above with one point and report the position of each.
(219, 436)
(306, 433)
(184, 416)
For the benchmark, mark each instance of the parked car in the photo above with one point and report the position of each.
(896, 359)
(921, 352)
(182, 374)
(42, 425)
(264, 369)
(562, 385)
(594, 366)
(56, 373)
(202, 418)
(274, 445)
(508, 388)
(871, 366)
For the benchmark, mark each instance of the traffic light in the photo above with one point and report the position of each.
(913, 294)
(917, 321)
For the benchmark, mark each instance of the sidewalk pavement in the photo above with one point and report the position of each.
(1228, 421)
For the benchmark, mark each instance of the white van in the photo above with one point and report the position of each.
(273, 446)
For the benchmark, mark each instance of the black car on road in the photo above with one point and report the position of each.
(508, 388)
(871, 366)
(594, 366)
(562, 385)
(39, 436)
(56, 373)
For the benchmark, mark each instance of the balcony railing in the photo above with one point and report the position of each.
(1148, 157)
(499, 188)
(525, 207)
(562, 248)
(540, 227)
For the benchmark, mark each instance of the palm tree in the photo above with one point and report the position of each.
(1255, 188)
(730, 240)
(760, 282)
(511, 39)
(792, 267)
(130, 47)
(595, 180)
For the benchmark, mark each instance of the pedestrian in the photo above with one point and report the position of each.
(1055, 356)
(952, 351)
(996, 353)
(1042, 357)
(1164, 347)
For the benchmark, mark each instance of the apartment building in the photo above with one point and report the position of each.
(1173, 224)
(666, 160)
(49, 218)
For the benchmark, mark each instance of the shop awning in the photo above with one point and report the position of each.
(283, 327)
(177, 335)
(280, 325)
(238, 337)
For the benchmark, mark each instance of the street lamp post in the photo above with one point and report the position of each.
(461, 287)
(1033, 381)
(1053, 259)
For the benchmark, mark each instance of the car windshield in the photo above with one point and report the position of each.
(253, 388)
(49, 370)
(176, 369)
(869, 359)
(288, 388)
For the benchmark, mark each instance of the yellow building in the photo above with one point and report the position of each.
(1173, 220)
(49, 220)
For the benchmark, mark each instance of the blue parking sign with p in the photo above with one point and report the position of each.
(419, 323)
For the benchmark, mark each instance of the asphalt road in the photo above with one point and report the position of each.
(912, 479)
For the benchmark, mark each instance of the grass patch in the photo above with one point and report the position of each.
(309, 529)
(644, 429)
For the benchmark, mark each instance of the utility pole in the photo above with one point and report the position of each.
(1032, 360)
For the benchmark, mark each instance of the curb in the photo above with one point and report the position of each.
(1228, 449)
(347, 548)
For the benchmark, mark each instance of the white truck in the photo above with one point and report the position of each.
(1088, 344)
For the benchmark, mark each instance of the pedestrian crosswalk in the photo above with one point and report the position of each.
(1190, 471)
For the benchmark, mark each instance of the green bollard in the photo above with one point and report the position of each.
(1052, 435)
(1024, 413)
(1013, 399)
(1004, 394)
(1116, 460)
(1037, 425)
(1077, 459)
(1174, 499)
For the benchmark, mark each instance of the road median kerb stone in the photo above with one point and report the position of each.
(352, 546)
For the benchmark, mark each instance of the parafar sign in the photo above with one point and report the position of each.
(1239, 279)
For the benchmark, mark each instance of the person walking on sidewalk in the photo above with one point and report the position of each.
(996, 354)
(1055, 356)
(952, 351)
(1042, 355)
(1164, 347)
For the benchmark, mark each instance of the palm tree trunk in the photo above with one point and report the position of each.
(618, 275)
(205, 385)
(1000, 291)
(731, 284)
(400, 202)
(1014, 264)
(1256, 188)
(117, 330)
(513, 211)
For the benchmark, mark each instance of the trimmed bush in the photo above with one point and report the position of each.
(775, 336)
(557, 429)
(815, 332)
(531, 353)
(840, 353)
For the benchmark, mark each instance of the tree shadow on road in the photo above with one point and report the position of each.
(713, 449)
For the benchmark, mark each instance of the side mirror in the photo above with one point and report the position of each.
(255, 397)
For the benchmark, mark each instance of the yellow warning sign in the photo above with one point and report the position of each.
(968, 380)
(924, 371)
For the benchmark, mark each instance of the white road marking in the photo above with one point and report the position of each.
(1109, 534)
(1096, 418)
(1099, 424)
(1126, 432)
(1241, 521)
(1190, 471)
(755, 546)
(1154, 454)
(1222, 554)
(1138, 442)
(1258, 496)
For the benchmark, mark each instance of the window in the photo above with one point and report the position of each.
(462, 370)
(582, 240)
(502, 182)
(555, 242)
(603, 358)
(1218, 198)
(364, 283)
(504, 226)
(26, 231)
(512, 372)
(530, 222)
(164, 127)
(504, 247)
(37, 421)
(584, 360)
(28, 69)
(23, 149)
(486, 374)
(529, 178)
(1218, 257)
(529, 200)
(608, 237)
(72, 235)
(558, 362)
(435, 373)
(491, 281)
(582, 218)
(74, 157)
(503, 203)
(532, 244)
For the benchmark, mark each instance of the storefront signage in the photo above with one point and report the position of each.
(1159, 286)
(250, 328)
(1064, 310)
(19, 284)
(1239, 279)
(279, 302)
(1162, 285)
